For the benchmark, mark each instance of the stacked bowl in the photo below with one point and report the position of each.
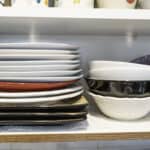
(120, 89)
(39, 84)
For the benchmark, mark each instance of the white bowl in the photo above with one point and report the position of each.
(98, 64)
(121, 74)
(122, 4)
(123, 108)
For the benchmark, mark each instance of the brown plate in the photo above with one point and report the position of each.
(26, 86)
(46, 122)
(75, 104)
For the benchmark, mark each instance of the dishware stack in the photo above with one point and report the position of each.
(121, 90)
(39, 84)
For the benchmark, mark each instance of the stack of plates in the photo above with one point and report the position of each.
(39, 83)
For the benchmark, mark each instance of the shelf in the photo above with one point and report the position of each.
(97, 127)
(73, 21)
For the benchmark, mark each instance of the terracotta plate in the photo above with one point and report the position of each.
(27, 86)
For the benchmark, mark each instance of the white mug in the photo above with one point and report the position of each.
(75, 3)
(145, 4)
(122, 4)
(23, 3)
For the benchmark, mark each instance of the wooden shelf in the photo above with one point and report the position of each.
(73, 21)
(97, 127)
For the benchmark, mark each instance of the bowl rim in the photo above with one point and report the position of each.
(119, 99)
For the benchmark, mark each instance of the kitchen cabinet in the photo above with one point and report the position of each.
(101, 34)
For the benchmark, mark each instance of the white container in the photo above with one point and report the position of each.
(121, 74)
(99, 64)
(123, 108)
(75, 3)
(23, 3)
(145, 4)
(122, 4)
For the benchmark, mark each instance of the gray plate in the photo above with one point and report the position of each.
(40, 122)
(36, 115)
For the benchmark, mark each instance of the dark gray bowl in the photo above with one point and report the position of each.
(138, 89)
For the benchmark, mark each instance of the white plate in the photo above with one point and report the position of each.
(38, 68)
(36, 51)
(39, 62)
(40, 79)
(39, 56)
(40, 99)
(38, 45)
(41, 73)
(40, 93)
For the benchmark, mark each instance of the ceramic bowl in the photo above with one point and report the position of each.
(121, 74)
(99, 64)
(122, 108)
(142, 60)
(130, 89)
(121, 4)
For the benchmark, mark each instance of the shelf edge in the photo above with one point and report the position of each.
(73, 137)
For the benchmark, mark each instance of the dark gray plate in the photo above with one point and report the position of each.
(36, 116)
(74, 104)
(40, 122)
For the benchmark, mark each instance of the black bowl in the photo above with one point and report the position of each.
(138, 89)
(142, 60)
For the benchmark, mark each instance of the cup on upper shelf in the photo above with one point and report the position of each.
(144, 4)
(74, 3)
(120, 4)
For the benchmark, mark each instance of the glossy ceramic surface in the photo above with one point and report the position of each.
(37, 45)
(61, 73)
(41, 93)
(120, 88)
(46, 122)
(40, 99)
(142, 60)
(121, 74)
(25, 68)
(122, 108)
(121, 4)
(31, 86)
(78, 103)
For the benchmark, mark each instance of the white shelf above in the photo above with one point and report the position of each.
(73, 21)
(97, 127)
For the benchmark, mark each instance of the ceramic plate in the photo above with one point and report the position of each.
(39, 56)
(39, 68)
(39, 62)
(37, 45)
(40, 122)
(40, 93)
(36, 51)
(41, 99)
(36, 115)
(41, 73)
(30, 86)
(40, 79)
(68, 105)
